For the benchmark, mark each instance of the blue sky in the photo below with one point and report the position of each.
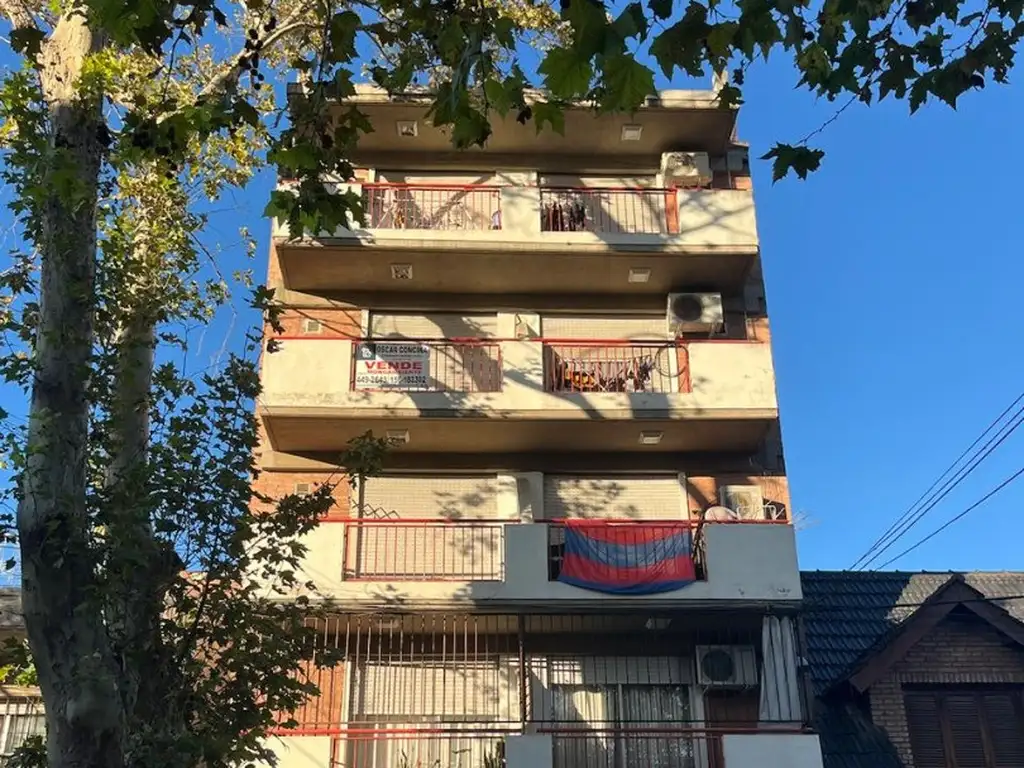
(893, 277)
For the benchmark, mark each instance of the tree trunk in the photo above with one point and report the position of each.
(60, 598)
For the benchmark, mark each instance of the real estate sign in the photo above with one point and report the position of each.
(392, 365)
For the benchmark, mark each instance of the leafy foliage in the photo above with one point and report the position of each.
(123, 123)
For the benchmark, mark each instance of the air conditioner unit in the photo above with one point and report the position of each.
(726, 666)
(684, 169)
(745, 500)
(695, 312)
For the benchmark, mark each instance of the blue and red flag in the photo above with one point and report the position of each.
(627, 559)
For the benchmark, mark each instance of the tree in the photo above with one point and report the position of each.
(123, 120)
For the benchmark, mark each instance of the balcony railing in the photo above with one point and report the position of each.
(425, 550)
(427, 365)
(577, 746)
(420, 747)
(616, 366)
(404, 206)
(607, 210)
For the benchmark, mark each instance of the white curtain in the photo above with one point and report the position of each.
(780, 692)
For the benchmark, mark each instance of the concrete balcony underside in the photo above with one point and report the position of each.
(469, 266)
(299, 430)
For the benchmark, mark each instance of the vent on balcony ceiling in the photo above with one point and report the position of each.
(401, 271)
(408, 129)
(309, 325)
(726, 666)
(303, 489)
(695, 313)
(397, 436)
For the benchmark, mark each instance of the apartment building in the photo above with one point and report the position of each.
(565, 339)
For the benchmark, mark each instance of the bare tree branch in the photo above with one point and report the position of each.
(18, 13)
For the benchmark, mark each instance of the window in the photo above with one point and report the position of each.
(959, 726)
(21, 718)
(618, 726)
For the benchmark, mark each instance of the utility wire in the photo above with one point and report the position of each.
(998, 439)
(916, 511)
(952, 520)
(910, 510)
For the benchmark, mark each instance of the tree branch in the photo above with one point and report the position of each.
(232, 72)
(18, 14)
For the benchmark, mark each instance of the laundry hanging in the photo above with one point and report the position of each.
(627, 558)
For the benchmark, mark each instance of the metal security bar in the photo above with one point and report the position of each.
(404, 206)
(608, 210)
(449, 675)
(426, 365)
(616, 366)
(419, 748)
(425, 550)
(614, 747)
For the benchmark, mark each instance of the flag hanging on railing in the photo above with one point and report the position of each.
(627, 558)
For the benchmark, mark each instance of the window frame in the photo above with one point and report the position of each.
(940, 695)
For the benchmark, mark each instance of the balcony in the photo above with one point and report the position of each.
(509, 395)
(528, 690)
(428, 563)
(521, 238)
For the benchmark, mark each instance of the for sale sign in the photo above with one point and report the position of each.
(391, 365)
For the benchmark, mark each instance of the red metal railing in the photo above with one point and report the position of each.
(425, 550)
(609, 210)
(580, 745)
(420, 748)
(426, 365)
(407, 206)
(616, 366)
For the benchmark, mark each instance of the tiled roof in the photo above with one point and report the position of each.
(849, 614)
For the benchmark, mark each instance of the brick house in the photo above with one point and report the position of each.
(916, 670)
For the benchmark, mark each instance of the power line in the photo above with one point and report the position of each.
(909, 520)
(952, 520)
(911, 509)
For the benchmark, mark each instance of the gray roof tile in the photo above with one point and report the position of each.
(847, 615)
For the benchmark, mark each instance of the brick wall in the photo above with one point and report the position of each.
(279, 484)
(702, 492)
(958, 650)
(335, 323)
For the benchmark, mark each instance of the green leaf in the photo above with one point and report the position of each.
(344, 26)
(589, 26)
(631, 22)
(504, 31)
(801, 160)
(566, 73)
(720, 38)
(552, 114)
(662, 9)
(627, 83)
(27, 41)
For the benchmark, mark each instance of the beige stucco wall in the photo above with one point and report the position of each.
(316, 372)
(301, 751)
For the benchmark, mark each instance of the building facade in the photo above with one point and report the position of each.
(551, 330)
